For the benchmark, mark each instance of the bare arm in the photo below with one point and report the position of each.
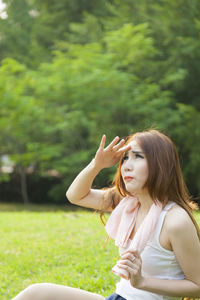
(186, 246)
(80, 191)
(173, 288)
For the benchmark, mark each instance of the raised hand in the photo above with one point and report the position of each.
(109, 156)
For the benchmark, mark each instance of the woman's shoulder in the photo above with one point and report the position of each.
(177, 219)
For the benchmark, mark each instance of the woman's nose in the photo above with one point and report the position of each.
(128, 166)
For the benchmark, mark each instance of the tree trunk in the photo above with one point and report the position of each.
(23, 180)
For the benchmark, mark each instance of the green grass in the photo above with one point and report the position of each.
(51, 244)
(64, 245)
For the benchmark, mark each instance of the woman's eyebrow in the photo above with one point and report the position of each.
(133, 151)
(137, 152)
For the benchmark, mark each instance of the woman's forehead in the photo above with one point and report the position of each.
(135, 146)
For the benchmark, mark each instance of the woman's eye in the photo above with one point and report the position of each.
(139, 156)
(125, 157)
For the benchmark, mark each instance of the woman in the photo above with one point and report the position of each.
(152, 222)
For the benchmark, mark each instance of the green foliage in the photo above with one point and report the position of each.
(21, 116)
(15, 31)
(83, 68)
(174, 27)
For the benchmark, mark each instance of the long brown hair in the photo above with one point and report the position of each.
(165, 181)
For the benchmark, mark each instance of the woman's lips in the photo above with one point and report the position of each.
(128, 178)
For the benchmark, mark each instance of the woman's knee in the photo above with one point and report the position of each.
(49, 291)
(37, 291)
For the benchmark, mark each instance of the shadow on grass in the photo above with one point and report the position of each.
(15, 207)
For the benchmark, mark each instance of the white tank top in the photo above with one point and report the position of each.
(157, 262)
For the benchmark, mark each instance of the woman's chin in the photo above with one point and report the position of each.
(131, 191)
(135, 192)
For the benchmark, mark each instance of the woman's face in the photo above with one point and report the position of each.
(134, 169)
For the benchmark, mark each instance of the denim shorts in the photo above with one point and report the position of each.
(114, 296)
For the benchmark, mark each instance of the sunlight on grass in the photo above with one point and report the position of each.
(59, 246)
(64, 245)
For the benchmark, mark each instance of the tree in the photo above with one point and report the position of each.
(21, 122)
(116, 70)
(15, 31)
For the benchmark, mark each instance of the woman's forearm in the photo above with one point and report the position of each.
(104, 158)
(173, 288)
(81, 185)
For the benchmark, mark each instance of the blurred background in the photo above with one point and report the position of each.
(71, 71)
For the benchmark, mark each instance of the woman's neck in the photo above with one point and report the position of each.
(145, 201)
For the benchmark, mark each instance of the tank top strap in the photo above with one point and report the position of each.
(161, 220)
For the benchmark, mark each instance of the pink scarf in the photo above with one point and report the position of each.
(122, 221)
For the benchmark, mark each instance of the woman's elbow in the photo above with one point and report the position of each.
(69, 196)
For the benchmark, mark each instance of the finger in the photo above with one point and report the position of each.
(123, 274)
(128, 256)
(102, 143)
(131, 261)
(127, 253)
(119, 145)
(136, 254)
(129, 269)
(112, 144)
(127, 265)
(133, 252)
(127, 262)
(124, 149)
(133, 256)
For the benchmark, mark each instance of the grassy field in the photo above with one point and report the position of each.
(51, 244)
